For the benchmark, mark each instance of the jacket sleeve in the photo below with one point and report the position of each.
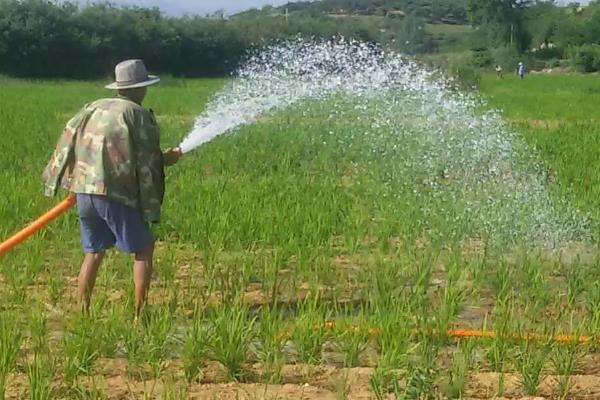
(149, 164)
(63, 155)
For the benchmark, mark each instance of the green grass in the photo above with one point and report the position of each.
(270, 232)
(451, 38)
(558, 115)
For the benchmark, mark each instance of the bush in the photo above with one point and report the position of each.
(456, 65)
(481, 58)
(549, 54)
(468, 76)
(586, 58)
(554, 63)
(508, 58)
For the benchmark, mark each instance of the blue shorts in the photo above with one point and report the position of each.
(105, 222)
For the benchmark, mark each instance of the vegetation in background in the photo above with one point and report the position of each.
(38, 38)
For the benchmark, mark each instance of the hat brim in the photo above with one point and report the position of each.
(152, 80)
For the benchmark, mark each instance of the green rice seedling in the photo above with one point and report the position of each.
(452, 296)
(229, 280)
(351, 340)
(80, 347)
(40, 374)
(382, 279)
(354, 234)
(498, 346)
(196, 348)
(428, 351)
(458, 374)
(309, 332)
(342, 387)
(33, 262)
(135, 348)
(503, 284)
(324, 274)
(350, 335)
(17, 280)
(10, 342)
(272, 278)
(272, 337)
(576, 277)
(83, 392)
(173, 304)
(56, 287)
(421, 372)
(166, 267)
(394, 343)
(497, 351)
(384, 381)
(390, 312)
(531, 361)
(173, 391)
(593, 306)
(565, 359)
(151, 342)
(110, 330)
(420, 384)
(534, 283)
(233, 332)
(39, 331)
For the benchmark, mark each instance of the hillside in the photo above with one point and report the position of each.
(433, 11)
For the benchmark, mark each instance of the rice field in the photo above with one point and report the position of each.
(290, 266)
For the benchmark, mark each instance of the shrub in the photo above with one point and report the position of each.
(586, 58)
(507, 57)
(481, 58)
(549, 54)
(468, 76)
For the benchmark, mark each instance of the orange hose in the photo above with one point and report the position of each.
(37, 225)
(468, 333)
(479, 334)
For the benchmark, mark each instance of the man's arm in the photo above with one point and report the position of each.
(149, 165)
(63, 153)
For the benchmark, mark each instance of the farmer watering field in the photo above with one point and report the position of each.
(109, 155)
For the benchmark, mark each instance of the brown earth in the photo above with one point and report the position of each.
(114, 380)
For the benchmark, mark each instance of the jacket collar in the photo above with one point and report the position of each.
(120, 96)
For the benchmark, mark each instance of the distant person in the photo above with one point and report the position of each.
(109, 155)
(499, 73)
(521, 70)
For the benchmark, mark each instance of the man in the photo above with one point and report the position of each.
(521, 70)
(499, 71)
(109, 155)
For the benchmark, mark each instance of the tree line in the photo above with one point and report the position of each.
(40, 38)
(454, 11)
(542, 30)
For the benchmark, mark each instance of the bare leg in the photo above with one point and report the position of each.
(142, 274)
(87, 279)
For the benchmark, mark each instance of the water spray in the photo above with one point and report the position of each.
(470, 164)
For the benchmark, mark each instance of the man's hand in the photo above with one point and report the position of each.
(171, 156)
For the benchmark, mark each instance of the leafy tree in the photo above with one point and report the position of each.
(542, 22)
(501, 20)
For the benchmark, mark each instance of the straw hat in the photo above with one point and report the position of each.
(132, 74)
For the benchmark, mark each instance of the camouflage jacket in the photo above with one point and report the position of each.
(112, 148)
